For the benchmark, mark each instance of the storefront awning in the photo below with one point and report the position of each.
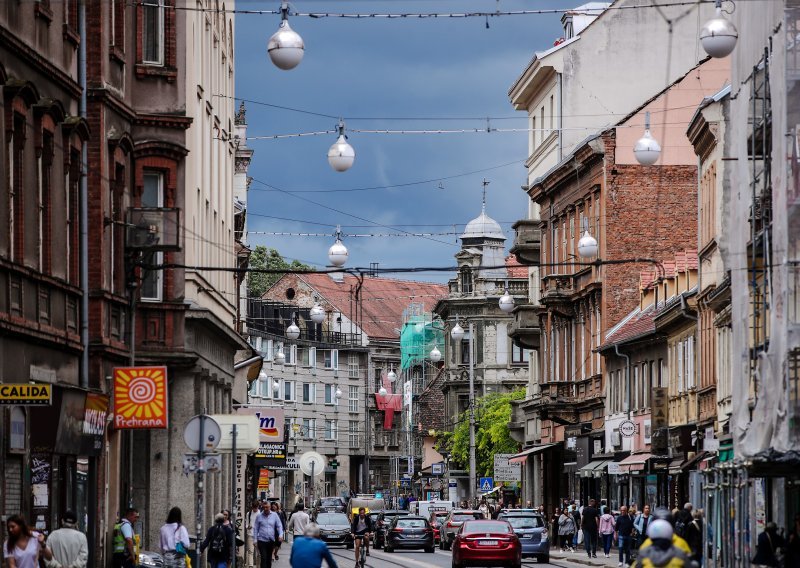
(522, 457)
(634, 462)
(593, 469)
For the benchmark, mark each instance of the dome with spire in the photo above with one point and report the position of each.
(483, 227)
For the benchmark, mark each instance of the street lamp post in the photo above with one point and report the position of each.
(457, 333)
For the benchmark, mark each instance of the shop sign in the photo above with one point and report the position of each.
(659, 408)
(437, 469)
(614, 468)
(95, 411)
(26, 394)
(263, 479)
(140, 397)
(271, 454)
(270, 422)
(627, 428)
(291, 464)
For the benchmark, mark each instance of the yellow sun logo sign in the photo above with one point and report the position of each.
(140, 397)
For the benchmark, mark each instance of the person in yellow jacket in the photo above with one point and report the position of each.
(663, 548)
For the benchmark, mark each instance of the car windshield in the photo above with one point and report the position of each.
(332, 519)
(486, 527)
(460, 517)
(331, 503)
(525, 522)
(411, 523)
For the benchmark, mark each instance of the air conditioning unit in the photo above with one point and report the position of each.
(616, 439)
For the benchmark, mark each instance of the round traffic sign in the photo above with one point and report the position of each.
(312, 464)
(211, 433)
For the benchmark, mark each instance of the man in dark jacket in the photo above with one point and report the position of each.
(694, 536)
(682, 520)
(590, 528)
(623, 526)
(219, 541)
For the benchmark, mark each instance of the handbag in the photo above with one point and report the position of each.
(580, 536)
(180, 549)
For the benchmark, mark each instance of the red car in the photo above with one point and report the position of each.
(436, 520)
(486, 543)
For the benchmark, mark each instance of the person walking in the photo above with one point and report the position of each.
(769, 542)
(124, 555)
(576, 515)
(640, 527)
(278, 510)
(251, 559)
(793, 544)
(174, 540)
(624, 528)
(219, 541)
(553, 522)
(23, 546)
(607, 531)
(682, 520)
(308, 551)
(589, 518)
(694, 536)
(298, 522)
(68, 545)
(267, 530)
(566, 530)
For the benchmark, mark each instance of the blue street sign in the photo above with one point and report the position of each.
(486, 484)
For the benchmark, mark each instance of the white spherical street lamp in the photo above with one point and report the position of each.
(392, 376)
(506, 302)
(280, 357)
(341, 154)
(317, 314)
(587, 246)
(292, 332)
(285, 47)
(382, 391)
(647, 150)
(338, 393)
(435, 355)
(457, 333)
(338, 253)
(718, 37)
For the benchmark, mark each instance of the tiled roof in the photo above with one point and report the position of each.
(514, 268)
(638, 323)
(383, 299)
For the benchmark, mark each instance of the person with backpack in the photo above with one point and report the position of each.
(219, 542)
(174, 540)
(682, 520)
(694, 536)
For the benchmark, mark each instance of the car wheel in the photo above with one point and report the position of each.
(456, 564)
(430, 550)
(544, 559)
(388, 548)
(448, 545)
(350, 545)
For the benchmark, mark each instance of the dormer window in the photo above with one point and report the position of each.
(466, 280)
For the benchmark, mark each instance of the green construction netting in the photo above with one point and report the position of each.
(420, 334)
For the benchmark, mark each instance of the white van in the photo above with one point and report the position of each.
(425, 508)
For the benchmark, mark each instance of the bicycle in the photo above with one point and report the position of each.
(361, 561)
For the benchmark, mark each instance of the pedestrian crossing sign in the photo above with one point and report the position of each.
(486, 484)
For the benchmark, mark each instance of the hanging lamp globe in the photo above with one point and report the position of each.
(587, 246)
(262, 375)
(317, 314)
(392, 376)
(647, 150)
(280, 357)
(338, 393)
(276, 385)
(435, 355)
(719, 36)
(506, 302)
(292, 332)
(457, 333)
(341, 154)
(338, 253)
(382, 391)
(285, 47)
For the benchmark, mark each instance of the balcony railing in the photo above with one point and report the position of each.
(525, 330)
(527, 242)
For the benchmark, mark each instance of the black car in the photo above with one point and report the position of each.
(334, 528)
(384, 520)
(409, 531)
(329, 505)
(453, 522)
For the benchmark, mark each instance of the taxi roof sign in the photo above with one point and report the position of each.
(26, 394)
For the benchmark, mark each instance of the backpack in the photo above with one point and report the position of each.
(217, 545)
(680, 528)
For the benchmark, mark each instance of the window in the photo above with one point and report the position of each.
(552, 113)
(45, 164)
(519, 355)
(353, 434)
(266, 349)
(312, 359)
(153, 32)
(309, 392)
(466, 281)
(377, 379)
(309, 428)
(352, 365)
(303, 356)
(330, 394)
(331, 358)
(465, 349)
(289, 391)
(153, 196)
(291, 354)
(352, 399)
(330, 429)
(541, 117)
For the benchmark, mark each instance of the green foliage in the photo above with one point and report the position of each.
(270, 259)
(492, 416)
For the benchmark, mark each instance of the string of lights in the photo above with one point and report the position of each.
(351, 235)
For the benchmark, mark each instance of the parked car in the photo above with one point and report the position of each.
(531, 529)
(453, 522)
(410, 531)
(486, 543)
(329, 505)
(149, 559)
(334, 528)
(384, 520)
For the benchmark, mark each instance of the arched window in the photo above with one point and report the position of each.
(466, 280)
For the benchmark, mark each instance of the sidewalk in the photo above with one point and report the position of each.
(580, 557)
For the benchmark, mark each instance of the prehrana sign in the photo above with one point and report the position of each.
(504, 471)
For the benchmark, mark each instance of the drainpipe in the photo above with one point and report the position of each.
(560, 118)
(627, 404)
(84, 200)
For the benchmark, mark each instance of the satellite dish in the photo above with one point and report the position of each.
(212, 433)
(312, 464)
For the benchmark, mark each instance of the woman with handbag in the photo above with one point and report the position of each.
(174, 540)
(566, 530)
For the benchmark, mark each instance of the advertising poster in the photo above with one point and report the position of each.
(140, 397)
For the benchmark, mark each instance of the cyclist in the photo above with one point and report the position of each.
(361, 528)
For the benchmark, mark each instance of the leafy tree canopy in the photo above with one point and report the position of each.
(266, 258)
(492, 416)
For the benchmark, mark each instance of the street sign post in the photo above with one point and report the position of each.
(486, 484)
(505, 471)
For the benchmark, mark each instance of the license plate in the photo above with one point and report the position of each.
(487, 542)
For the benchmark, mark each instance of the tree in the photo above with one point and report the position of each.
(492, 416)
(265, 258)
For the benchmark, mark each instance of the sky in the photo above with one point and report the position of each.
(395, 74)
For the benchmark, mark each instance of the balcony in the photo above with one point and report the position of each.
(557, 288)
(527, 242)
(524, 330)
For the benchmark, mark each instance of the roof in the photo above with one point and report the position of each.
(515, 269)
(637, 324)
(383, 299)
(483, 226)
